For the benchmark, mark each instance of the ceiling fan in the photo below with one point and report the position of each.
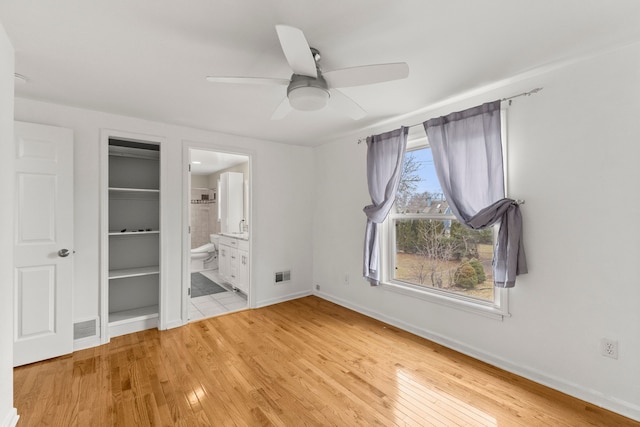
(309, 88)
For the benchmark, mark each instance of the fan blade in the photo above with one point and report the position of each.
(283, 109)
(366, 74)
(249, 80)
(297, 50)
(345, 105)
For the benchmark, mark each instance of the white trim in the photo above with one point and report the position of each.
(186, 238)
(174, 324)
(85, 343)
(450, 300)
(595, 397)
(164, 237)
(11, 419)
(283, 298)
(104, 233)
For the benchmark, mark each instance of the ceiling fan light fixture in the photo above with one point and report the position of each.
(308, 89)
(308, 98)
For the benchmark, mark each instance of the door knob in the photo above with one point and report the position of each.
(63, 253)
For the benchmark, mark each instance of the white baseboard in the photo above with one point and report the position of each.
(174, 324)
(283, 298)
(11, 419)
(594, 397)
(88, 342)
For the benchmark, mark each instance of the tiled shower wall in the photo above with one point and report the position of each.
(203, 216)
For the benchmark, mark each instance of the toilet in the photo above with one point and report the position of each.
(205, 257)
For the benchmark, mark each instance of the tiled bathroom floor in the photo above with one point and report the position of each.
(216, 304)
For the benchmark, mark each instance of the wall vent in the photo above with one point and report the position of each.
(88, 328)
(282, 276)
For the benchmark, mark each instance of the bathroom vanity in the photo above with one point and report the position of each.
(234, 266)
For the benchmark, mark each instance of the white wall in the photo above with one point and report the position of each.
(281, 211)
(280, 172)
(574, 155)
(199, 181)
(8, 415)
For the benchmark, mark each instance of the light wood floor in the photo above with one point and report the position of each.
(303, 362)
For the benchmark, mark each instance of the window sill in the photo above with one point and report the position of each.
(486, 309)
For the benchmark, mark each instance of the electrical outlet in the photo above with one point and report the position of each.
(609, 348)
(317, 287)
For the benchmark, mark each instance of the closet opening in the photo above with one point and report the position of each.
(132, 238)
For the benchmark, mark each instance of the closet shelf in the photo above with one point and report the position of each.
(133, 190)
(133, 272)
(131, 233)
(133, 193)
(134, 315)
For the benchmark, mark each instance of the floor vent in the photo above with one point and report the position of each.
(85, 329)
(282, 276)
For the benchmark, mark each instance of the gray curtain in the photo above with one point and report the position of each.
(467, 153)
(385, 155)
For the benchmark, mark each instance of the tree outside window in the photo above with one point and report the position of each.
(432, 249)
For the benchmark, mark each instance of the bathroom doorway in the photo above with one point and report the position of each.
(219, 230)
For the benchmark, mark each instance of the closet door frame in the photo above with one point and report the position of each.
(105, 135)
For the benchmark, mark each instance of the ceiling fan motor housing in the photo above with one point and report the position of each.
(307, 93)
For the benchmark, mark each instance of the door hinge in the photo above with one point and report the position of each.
(189, 291)
(189, 167)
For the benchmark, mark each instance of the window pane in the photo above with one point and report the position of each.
(418, 183)
(443, 254)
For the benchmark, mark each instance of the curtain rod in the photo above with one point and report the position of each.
(510, 98)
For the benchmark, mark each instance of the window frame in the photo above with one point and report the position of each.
(496, 309)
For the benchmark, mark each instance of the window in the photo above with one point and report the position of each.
(428, 253)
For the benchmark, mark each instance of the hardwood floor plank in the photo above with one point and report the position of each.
(306, 362)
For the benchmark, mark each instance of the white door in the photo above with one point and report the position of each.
(43, 237)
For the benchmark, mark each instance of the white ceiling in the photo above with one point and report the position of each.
(149, 58)
(205, 162)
